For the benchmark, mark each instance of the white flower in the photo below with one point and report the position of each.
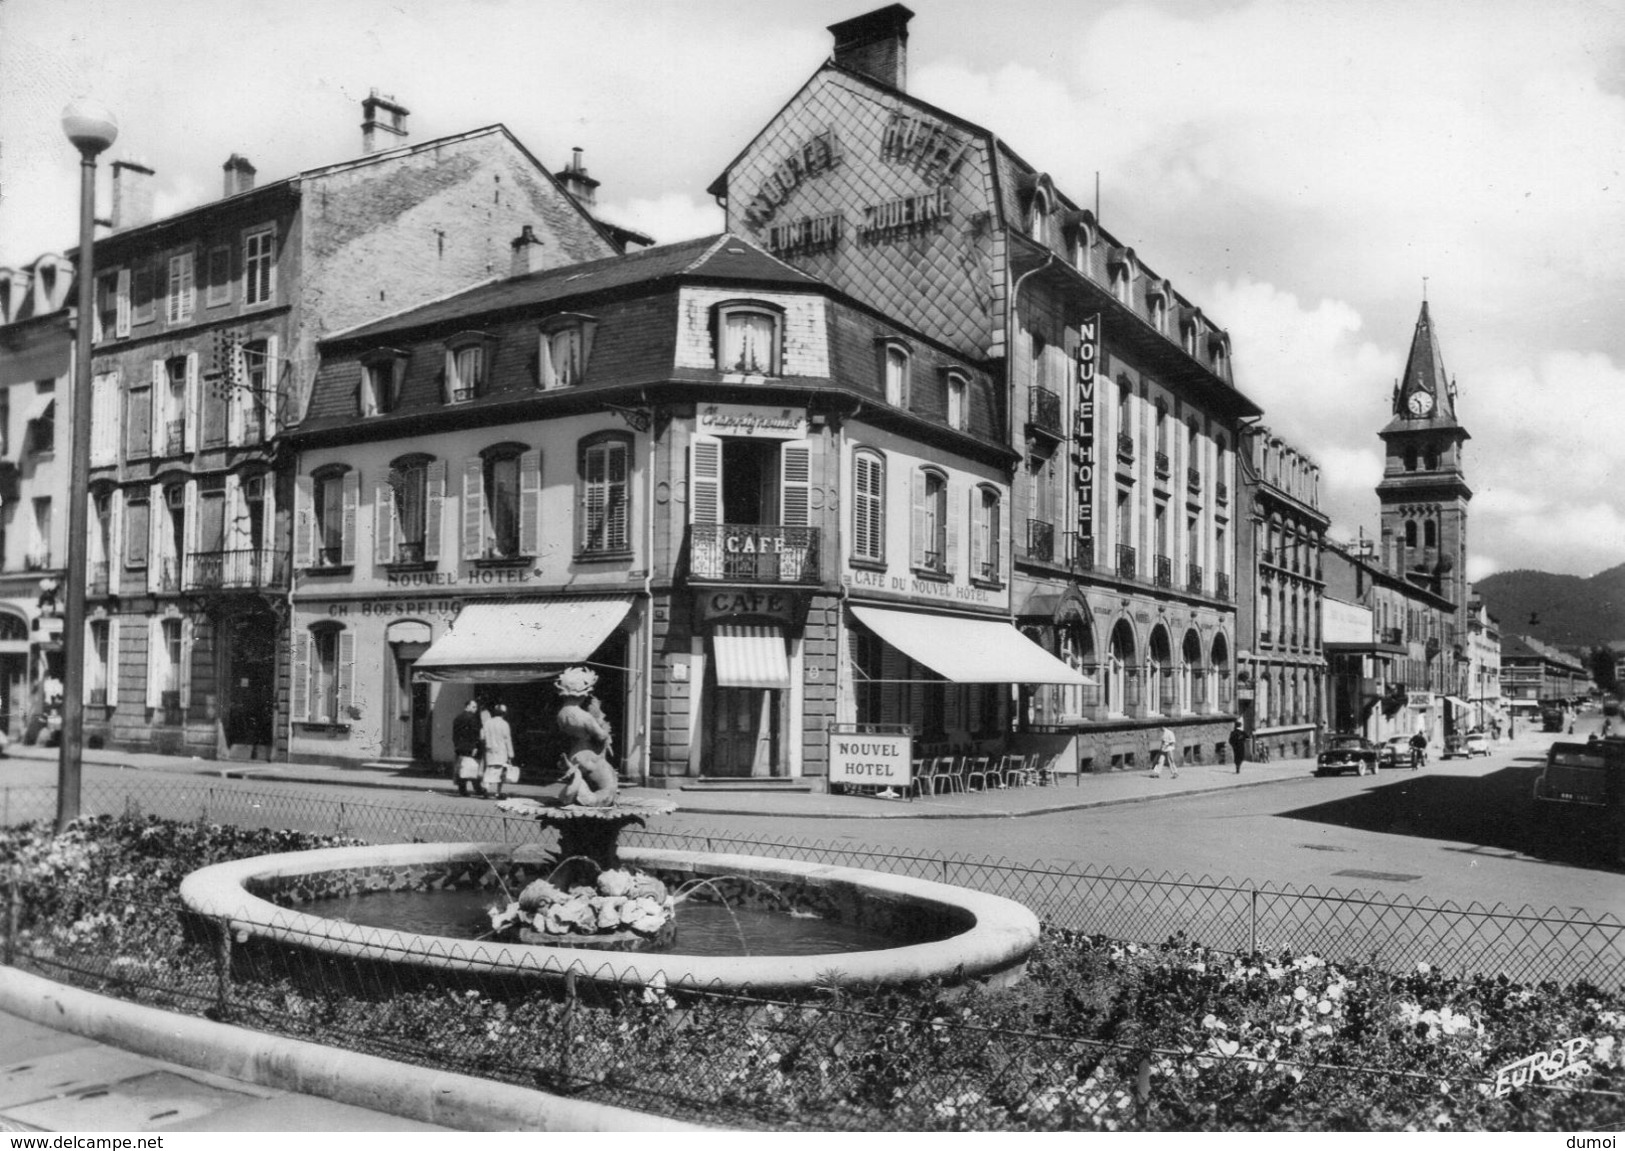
(1300, 993)
(1324, 1007)
(1423, 968)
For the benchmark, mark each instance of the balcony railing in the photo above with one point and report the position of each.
(1221, 585)
(164, 573)
(1193, 579)
(1264, 635)
(753, 553)
(1125, 447)
(1193, 479)
(1393, 635)
(1127, 567)
(1269, 556)
(1044, 412)
(240, 568)
(1040, 540)
(1164, 468)
(1165, 571)
(409, 553)
(1080, 552)
(1222, 491)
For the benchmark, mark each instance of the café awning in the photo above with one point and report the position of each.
(750, 656)
(1457, 701)
(515, 641)
(968, 650)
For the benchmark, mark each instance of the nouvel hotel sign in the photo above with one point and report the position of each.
(871, 760)
(1083, 430)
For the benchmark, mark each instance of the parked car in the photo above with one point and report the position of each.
(1581, 793)
(1467, 745)
(1395, 751)
(1343, 753)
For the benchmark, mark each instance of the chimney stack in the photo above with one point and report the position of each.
(132, 194)
(875, 45)
(239, 175)
(394, 123)
(576, 182)
(528, 253)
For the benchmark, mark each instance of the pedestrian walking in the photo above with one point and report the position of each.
(465, 746)
(498, 739)
(1164, 755)
(1238, 745)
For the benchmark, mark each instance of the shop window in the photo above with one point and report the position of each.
(869, 507)
(748, 337)
(605, 494)
(930, 534)
(565, 344)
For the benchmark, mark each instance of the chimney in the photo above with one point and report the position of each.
(527, 253)
(875, 45)
(576, 182)
(132, 194)
(393, 123)
(239, 175)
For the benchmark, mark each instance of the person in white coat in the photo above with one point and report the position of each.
(498, 739)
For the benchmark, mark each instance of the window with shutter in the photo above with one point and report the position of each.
(473, 508)
(705, 481)
(564, 348)
(259, 266)
(143, 302)
(868, 507)
(434, 510)
(138, 427)
(180, 289)
(121, 320)
(930, 521)
(604, 495)
(219, 289)
(299, 673)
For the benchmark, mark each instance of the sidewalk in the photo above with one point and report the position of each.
(1070, 792)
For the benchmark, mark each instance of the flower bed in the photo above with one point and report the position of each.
(1101, 1035)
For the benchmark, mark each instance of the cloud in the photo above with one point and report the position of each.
(667, 218)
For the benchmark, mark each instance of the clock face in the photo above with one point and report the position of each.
(1421, 403)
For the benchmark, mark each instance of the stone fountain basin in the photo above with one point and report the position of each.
(984, 938)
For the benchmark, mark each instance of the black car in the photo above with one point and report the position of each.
(1343, 753)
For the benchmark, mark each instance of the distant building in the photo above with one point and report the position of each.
(1483, 678)
(1535, 674)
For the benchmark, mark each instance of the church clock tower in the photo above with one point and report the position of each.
(1424, 490)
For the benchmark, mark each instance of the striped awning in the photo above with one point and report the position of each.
(750, 655)
(515, 641)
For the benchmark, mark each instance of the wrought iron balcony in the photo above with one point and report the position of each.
(1080, 552)
(244, 568)
(1044, 413)
(1040, 540)
(1164, 468)
(1127, 567)
(1125, 447)
(1269, 556)
(408, 553)
(1193, 579)
(1165, 571)
(1264, 635)
(1193, 479)
(1222, 491)
(753, 554)
(1393, 635)
(1221, 585)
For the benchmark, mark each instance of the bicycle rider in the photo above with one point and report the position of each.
(1419, 747)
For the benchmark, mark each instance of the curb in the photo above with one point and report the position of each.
(443, 1098)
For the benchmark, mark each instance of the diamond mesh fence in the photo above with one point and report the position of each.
(847, 1058)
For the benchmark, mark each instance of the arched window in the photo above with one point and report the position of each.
(869, 507)
(1120, 671)
(958, 388)
(1430, 534)
(1220, 662)
(1075, 642)
(1160, 685)
(1410, 533)
(1191, 674)
(333, 513)
(748, 338)
(1410, 458)
(402, 509)
(986, 534)
(502, 503)
(930, 530)
(564, 344)
(1038, 221)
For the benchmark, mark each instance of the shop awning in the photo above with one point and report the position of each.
(1457, 701)
(968, 650)
(515, 641)
(750, 656)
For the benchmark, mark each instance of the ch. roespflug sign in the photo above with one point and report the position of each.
(911, 141)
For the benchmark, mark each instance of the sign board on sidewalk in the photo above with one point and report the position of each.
(871, 760)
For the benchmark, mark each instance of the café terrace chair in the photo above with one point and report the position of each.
(977, 767)
(925, 775)
(1011, 770)
(951, 772)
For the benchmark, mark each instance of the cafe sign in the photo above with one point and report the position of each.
(871, 760)
(756, 422)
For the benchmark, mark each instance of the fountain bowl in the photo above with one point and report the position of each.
(945, 933)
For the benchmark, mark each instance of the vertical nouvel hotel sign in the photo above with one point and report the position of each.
(1083, 431)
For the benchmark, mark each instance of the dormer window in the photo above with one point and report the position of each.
(381, 375)
(1219, 353)
(958, 387)
(748, 338)
(467, 366)
(566, 342)
(1038, 221)
(1156, 304)
(896, 366)
(1123, 271)
(1080, 242)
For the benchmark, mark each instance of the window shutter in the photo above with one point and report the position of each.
(190, 418)
(617, 526)
(448, 383)
(530, 502)
(919, 528)
(862, 487)
(155, 647)
(1001, 542)
(86, 680)
(235, 536)
(383, 522)
(235, 383)
(352, 506)
(795, 485)
(268, 554)
(115, 540)
(188, 288)
(139, 535)
(304, 526)
(705, 481)
(269, 403)
(979, 535)
(473, 508)
(112, 661)
(189, 529)
(157, 513)
(434, 512)
(122, 303)
(950, 529)
(346, 674)
(299, 677)
(186, 664)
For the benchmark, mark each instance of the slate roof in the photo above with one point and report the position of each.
(1424, 370)
(719, 258)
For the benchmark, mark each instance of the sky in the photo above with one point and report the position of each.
(1303, 172)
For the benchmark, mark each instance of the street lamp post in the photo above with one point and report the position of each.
(91, 128)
